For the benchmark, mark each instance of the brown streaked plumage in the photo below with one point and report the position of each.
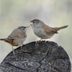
(44, 31)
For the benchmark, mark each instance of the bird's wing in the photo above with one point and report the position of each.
(16, 34)
(49, 30)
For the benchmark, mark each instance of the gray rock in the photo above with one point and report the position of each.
(38, 56)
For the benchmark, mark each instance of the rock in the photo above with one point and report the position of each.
(38, 56)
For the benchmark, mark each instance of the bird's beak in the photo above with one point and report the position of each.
(31, 21)
(27, 26)
(30, 24)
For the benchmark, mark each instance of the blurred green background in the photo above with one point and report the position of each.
(14, 13)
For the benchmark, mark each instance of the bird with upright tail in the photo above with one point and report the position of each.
(44, 31)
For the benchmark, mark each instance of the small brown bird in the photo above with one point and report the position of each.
(44, 31)
(17, 37)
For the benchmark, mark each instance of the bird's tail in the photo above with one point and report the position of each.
(3, 39)
(62, 27)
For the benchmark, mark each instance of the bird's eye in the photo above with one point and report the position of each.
(22, 28)
(36, 22)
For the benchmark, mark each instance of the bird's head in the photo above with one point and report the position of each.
(23, 28)
(35, 21)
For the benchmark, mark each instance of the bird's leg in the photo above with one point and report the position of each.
(14, 52)
(42, 39)
(21, 46)
(36, 44)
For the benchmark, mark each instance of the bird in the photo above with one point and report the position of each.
(44, 31)
(17, 37)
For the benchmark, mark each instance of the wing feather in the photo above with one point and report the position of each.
(49, 30)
